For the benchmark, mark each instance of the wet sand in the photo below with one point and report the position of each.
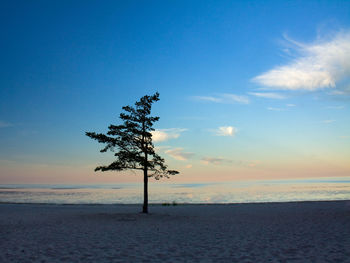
(269, 232)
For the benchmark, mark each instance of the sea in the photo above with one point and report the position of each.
(320, 189)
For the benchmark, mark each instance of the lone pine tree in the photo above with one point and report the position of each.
(132, 144)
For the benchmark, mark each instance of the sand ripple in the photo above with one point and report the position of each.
(275, 232)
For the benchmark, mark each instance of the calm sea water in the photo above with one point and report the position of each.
(228, 192)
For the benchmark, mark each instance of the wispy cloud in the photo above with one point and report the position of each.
(214, 160)
(341, 90)
(236, 98)
(338, 92)
(287, 107)
(162, 135)
(328, 121)
(336, 107)
(275, 109)
(267, 95)
(179, 154)
(222, 161)
(254, 163)
(208, 98)
(226, 131)
(318, 65)
(161, 148)
(226, 98)
(4, 124)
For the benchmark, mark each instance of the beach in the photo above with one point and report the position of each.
(256, 232)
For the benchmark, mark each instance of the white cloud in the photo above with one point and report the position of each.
(179, 154)
(291, 105)
(267, 95)
(317, 65)
(162, 135)
(5, 124)
(226, 131)
(226, 98)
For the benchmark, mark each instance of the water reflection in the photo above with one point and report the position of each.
(234, 192)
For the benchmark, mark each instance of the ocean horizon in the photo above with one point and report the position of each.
(315, 189)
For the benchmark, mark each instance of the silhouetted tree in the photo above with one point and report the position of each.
(132, 144)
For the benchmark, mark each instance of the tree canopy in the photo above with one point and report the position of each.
(132, 143)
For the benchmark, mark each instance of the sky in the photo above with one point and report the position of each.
(249, 90)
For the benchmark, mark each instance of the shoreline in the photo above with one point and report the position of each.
(171, 204)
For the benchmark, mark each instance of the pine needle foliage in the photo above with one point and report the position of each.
(132, 143)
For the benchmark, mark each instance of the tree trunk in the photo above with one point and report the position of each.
(145, 170)
(145, 192)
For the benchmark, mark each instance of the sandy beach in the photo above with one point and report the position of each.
(270, 232)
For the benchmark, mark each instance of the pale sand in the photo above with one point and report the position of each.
(272, 232)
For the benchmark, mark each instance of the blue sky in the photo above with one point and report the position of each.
(249, 89)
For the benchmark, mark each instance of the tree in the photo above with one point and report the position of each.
(132, 144)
